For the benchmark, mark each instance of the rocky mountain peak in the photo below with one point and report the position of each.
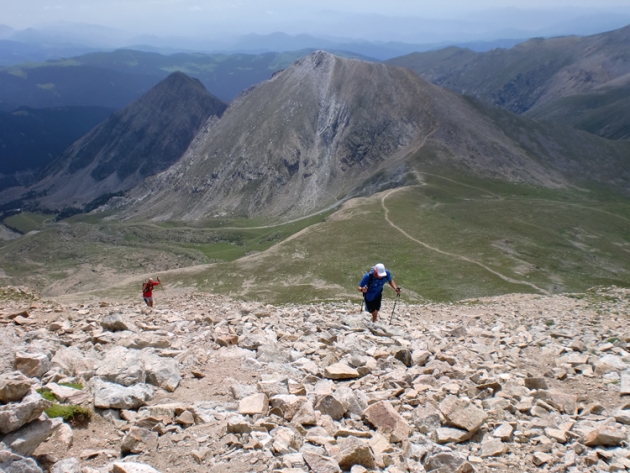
(142, 139)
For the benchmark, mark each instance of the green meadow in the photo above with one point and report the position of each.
(445, 238)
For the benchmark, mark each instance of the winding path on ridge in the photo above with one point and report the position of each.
(463, 258)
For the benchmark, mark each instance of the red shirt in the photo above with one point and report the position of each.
(148, 289)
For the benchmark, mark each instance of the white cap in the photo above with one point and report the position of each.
(380, 270)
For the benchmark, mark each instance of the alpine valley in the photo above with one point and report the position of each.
(332, 156)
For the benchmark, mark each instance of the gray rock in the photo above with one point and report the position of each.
(350, 400)
(161, 372)
(289, 404)
(138, 440)
(330, 405)
(449, 435)
(355, 455)
(462, 414)
(427, 419)
(13, 463)
(131, 467)
(420, 357)
(118, 323)
(72, 362)
(122, 366)
(111, 395)
(14, 386)
(404, 356)
(33, 365)
(15, 415)
(26, 439)
(321, 464)
(449, 460)
(67, 465)
(536, 383)
(493, 448)
(238, 425)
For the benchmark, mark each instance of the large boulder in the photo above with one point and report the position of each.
(15, 415)
(161, 372)
(122, 366)
(114, 396)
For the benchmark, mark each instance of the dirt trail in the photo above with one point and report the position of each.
(463, 258)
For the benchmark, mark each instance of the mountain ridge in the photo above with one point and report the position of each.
(328, 128)
(530, 75)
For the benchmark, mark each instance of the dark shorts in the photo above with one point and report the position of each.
(374, 304)
(148, 299)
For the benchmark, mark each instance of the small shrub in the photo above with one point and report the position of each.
(549, 323)
(74, 415)
(46, 394)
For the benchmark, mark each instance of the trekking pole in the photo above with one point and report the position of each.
(395, 302)
(362, 301)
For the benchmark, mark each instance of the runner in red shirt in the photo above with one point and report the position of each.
(147, 290)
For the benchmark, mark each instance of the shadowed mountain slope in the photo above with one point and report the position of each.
(328, 128)
(530, 75)
(142, 139)
(31, 138)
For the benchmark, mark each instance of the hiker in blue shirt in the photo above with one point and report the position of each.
(372, 288)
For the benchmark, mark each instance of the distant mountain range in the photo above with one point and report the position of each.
(582, 81)
(115, 79)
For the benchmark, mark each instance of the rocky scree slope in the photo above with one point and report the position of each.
(142, 139)
(203, 383)
(327, 129)
(530, 75)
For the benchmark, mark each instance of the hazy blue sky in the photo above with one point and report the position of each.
(196, 17)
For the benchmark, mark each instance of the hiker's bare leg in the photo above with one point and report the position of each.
(374, 316)
(151, 303)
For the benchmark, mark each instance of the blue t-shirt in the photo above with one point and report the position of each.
(376, 285)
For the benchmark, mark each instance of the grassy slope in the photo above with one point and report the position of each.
(536, 238)
(603, 112)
